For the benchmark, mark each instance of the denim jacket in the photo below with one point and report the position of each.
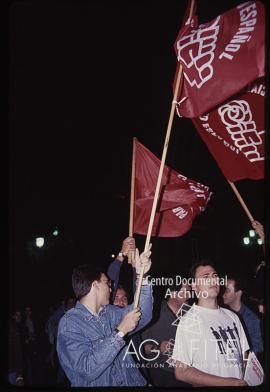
(91, 352)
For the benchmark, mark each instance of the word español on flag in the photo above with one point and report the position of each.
(220, 58)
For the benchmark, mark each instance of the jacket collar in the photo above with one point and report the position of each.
(88, 314)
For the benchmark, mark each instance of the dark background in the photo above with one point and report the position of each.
(85, 77)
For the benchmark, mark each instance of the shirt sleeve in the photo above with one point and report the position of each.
(114, 274)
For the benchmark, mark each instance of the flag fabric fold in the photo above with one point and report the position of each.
(180, 200)
(235, 131)
(220, 58)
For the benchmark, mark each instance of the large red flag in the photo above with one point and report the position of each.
(234, 133)
(180, 199)
(220, 58)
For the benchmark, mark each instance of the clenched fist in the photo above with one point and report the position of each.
(143, 260)
(130, 321)
(258, 227)
(128, 245)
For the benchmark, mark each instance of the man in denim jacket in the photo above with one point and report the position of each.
(90, 342)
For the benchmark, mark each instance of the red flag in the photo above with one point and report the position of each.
(180, 199)
(220, 58)
(234, 133)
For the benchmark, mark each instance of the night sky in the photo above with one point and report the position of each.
(85, 77)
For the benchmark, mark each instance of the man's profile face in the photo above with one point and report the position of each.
(229, 295)
(121, 299)
(104, 289)
(207, 281)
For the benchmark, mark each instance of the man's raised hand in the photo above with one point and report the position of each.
(143, 260)
(128, 245)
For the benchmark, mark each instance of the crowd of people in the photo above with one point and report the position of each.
(33, 360)
(98, 338)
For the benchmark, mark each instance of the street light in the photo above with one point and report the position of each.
(253, 238)
(40, 242)
(246, 240)
(252, 233)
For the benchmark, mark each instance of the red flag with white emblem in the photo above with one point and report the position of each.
(180, 199)
(234, 133)
(220, 58)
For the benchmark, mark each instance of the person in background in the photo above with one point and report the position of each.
(15, 350)
(52, 328)
(128, 245)
(163, 332)
(258, 283)
(30, 347)
(232, 297)
(121, 297)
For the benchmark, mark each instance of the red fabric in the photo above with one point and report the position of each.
(180, 199)
(220, 58)
(234, 133)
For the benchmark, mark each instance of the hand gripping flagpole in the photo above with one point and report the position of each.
(131, 254)
(162, 164)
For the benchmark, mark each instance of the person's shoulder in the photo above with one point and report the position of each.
(70, 319)
(246, 310)
(111, 308)
(229, 313)
(187, 314)
(66, 316)
(56, 316)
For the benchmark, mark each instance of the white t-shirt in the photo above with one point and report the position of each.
(211, 340)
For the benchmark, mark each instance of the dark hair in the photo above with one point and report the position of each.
(174, 287)
(201, 263)
(82, 278)
(121, 287)
(238, 283)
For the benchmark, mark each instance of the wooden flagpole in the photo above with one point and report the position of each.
(131, 254)
(164, 153)
(241, 200)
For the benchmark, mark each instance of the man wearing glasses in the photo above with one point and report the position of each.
(90, 342)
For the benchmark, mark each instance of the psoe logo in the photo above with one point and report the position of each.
(236, 115)
(196, 51)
